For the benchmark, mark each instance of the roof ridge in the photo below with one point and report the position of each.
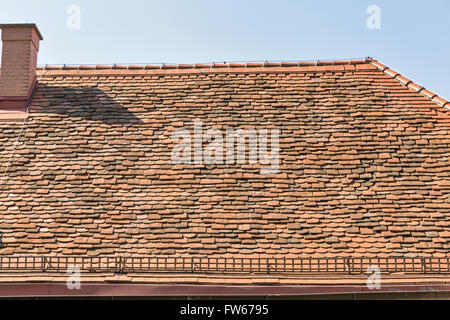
(410, 84)
(231, 64)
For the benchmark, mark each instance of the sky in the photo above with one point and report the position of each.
(411, 37)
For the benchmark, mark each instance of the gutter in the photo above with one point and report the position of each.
(165, 290)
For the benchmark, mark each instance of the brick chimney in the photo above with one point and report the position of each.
(20, 46)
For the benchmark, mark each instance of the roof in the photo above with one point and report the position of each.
(363, 164)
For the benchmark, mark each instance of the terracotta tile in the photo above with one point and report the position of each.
(363, 163)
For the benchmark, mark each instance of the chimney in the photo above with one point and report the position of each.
(20, 46)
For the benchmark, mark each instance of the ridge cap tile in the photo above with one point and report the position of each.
(410, 84)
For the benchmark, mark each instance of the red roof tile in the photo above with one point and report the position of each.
(364, 158)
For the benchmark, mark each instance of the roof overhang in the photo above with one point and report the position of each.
(185, 290)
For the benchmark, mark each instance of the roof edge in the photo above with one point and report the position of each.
(250, 67)
(410, 84)
(46, 289)
(252, 64)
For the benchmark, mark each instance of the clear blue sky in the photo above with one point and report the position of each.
(413, 39)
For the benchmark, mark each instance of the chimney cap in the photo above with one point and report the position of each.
(6, 25)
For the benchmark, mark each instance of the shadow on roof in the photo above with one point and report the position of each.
(87, 102)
